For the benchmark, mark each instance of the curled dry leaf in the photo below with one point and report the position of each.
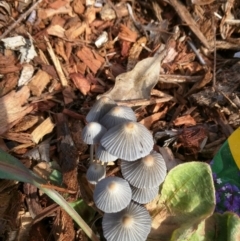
(138, 83)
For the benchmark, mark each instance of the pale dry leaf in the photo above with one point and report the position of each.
(138, 83)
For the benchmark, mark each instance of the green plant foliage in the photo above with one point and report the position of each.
(186, 198)
(188, 191)
(86, 212)
(219, 227)
(11, 168)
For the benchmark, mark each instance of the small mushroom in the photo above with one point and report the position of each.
(104, 156)
(118, 115)
(95, 173)
(147, 172)
(131, 224)
(91, 134)
(128, 141)
(144, 195)
(100, 108)
(112, 194)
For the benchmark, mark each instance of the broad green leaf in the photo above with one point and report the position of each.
(188, 191)
(219, 227)
(187, 197)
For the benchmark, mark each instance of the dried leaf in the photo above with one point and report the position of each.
(138, 83)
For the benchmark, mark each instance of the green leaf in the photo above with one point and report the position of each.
(220, 227)
(188, 191)
(12, 168)
(85, 211)
(187, 197)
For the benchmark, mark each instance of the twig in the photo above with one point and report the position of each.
(56, 64)
(24, 15)
(145, 102)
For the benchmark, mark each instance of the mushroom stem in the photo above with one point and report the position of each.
(91, 153)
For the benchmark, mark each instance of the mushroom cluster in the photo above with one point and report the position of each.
(114, 133)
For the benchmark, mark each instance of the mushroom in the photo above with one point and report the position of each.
(144, 195)
(147, 172)
(100, 108)
(131, 224)
(103, 155)
(112, 194)
(118, 115)
(95, 173)
(92, 134)
(129, 141)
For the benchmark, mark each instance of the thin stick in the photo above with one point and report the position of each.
(24, 15)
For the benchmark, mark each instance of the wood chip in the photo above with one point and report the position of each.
(91, 59)
(44, 128)
(39, 82)
(12, 108)
(184, 120)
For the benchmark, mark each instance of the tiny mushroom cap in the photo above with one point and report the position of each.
(131, 224)
(100, 108)
(128, 141)
(118, 115)
(112, 194)
(144, 195)
(93, 132)
(104, 156)
(95, 173)
(147, 172)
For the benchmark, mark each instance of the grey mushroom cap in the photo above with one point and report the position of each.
(104, 156)
(131, 224)
(147, 172)
(100, 108)
(128, 141)
(95, 173)
(118, 115)
(144, 195)
(93, 132)
(112, 194)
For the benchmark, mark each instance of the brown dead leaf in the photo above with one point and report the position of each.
(12, 110)
(81, 83)
(138, 83)
(186, 120)
(91, 59)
